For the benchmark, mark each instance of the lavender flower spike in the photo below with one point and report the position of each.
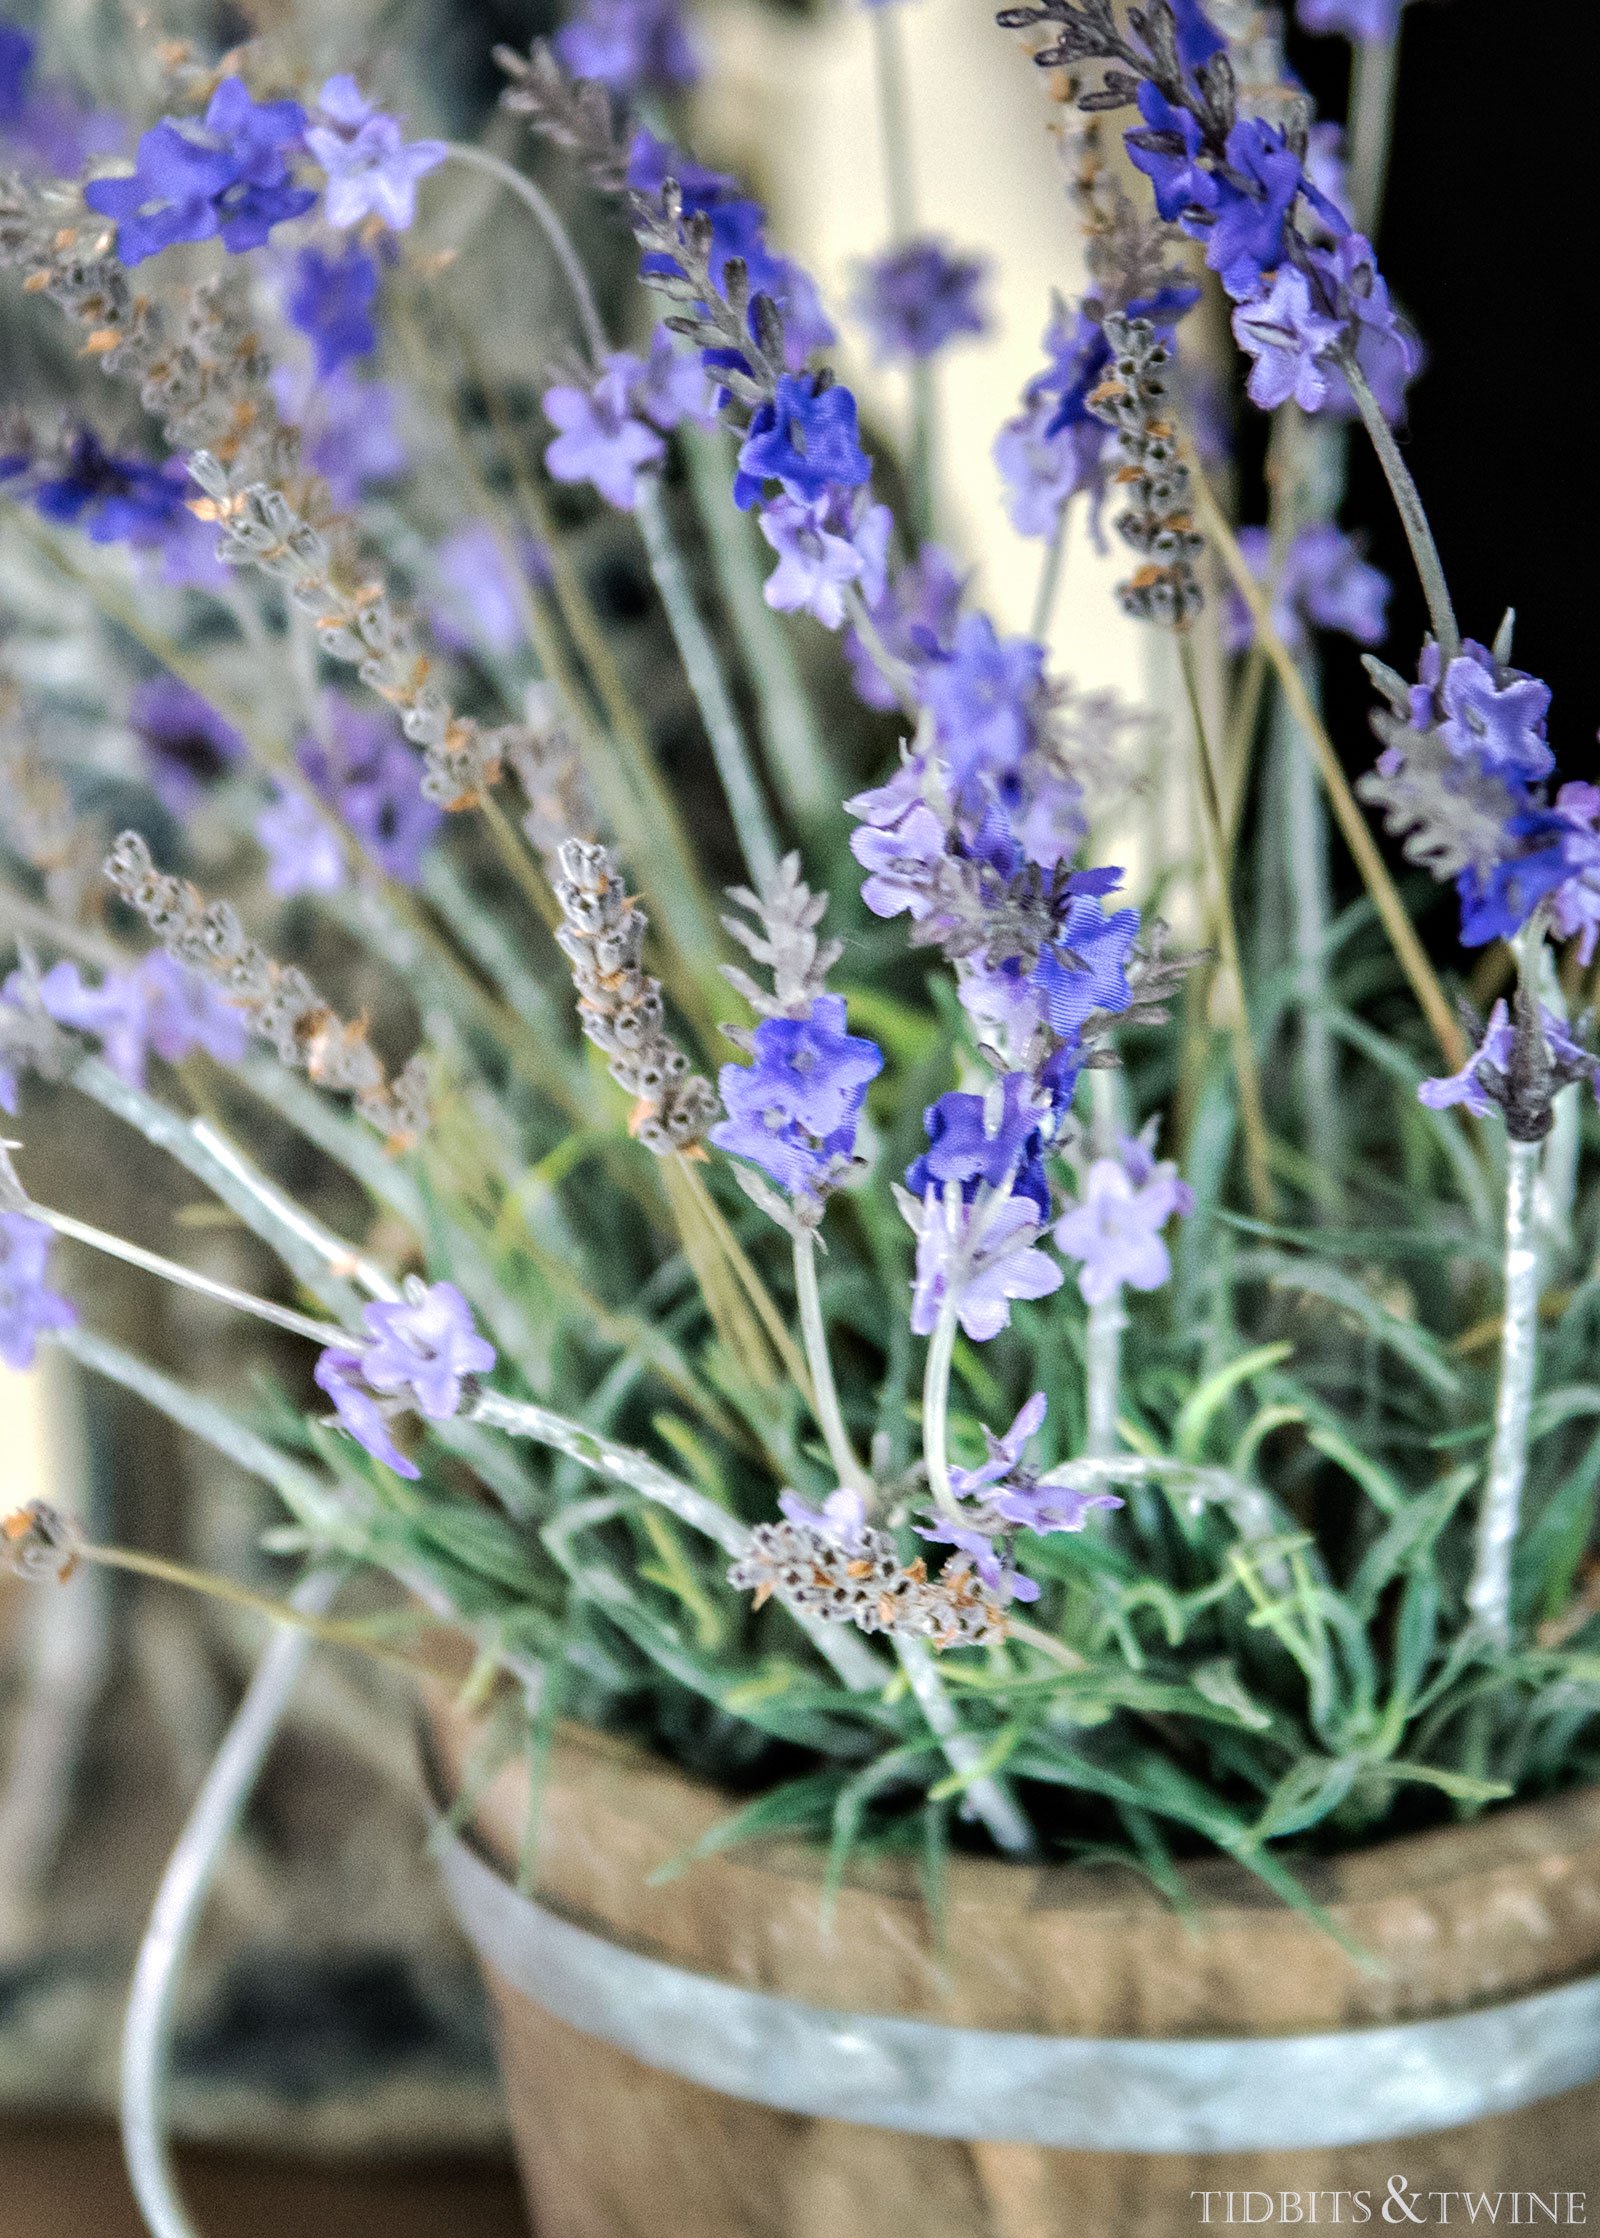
(29, 1308)
(1116, 1227)
(425, 1347)
(976, 1258)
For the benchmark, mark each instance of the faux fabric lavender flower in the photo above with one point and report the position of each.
(114, 500)
(229, 176)
(634, 46)
(1004, 1495)
(303, 856)
(1288, 336)
(993, 1141)
(184, 743)
(841, 1519)
(975, 1258)
(1043, 464)
(915, 619)
(601, 436)
(348, 426)
(159, 1005)
(1575, 903)
(917, 297)
(806, 440)
(1465, 1087)
(29, 1308)
(363, 767)
(794, 1109)
(423, 1347)
(372, 170)
(356, 1410)
(1115, 1228)
(1325, 584)
(331, 300)
(984, 699)
(823, 548)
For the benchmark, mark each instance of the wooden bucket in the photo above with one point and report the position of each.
(1463, 1918)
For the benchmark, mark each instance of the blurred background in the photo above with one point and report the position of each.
(335, 2070)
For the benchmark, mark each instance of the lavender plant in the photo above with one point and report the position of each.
(1015, 1421)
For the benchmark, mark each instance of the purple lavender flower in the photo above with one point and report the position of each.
(671, 386)
(841, 1518)
(1325, 583)
(114, 500)
(424, 1346)
(331, 301)
(1356, 19)
(1168, 148)
(984, 699)
(993, 1562)
(900, 844)
(339, 1374)
(160, 1004)
(794, 1109)
(16, 68)
(634, 46)
(805, 439)
(975, 1258)
(1043, 465)
(43, 124)
(348, 427)
(1328, 171)
(916, 619)
(1464, 1087)
(822, 548)
(372, 171)
(476, 607)
(1385, 348)
(1245, 240)
(600, 439)
(184, 743)
(1575, 903)
(28, 1306)
(1115, 1228)
(1288, 337)
(302, 854)
(363, 767)
(232, 179)
(1496, 717)
(916, 297)
(992, 1141)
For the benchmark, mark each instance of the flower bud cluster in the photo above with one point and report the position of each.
(279, 1001)
(619, 1004)
(1158, 524)
(863, 1582)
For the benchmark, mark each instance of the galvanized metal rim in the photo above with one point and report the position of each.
(1088, 2094)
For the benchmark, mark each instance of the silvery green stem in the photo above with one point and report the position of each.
(181, 1277)
(180, 1901)
(729, 746)
(201, 1149)
(533, 197)
(1374, 76)
(1310, 906)
(796, 753)
(1044, 598)
(1489, 1594)
(850, 1656)
(1413, 519)
(1195, 1483)
(936, 1409)
(814, 1336)
(985, 1798)
(1108, 1316)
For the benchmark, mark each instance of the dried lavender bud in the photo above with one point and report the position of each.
(575, 114)
(39, 1541)
(864, 1583)
(619, 1004)
(787, 914)
(1133, 399)
(278, 1000)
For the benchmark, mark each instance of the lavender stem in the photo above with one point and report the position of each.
(936, 1410)
(1044, 598)
(535, 199)
(1108, 1316)
(1489, 1594)
(1408, 503)
(829, 1413)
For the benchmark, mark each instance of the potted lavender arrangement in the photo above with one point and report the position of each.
(944, 1467)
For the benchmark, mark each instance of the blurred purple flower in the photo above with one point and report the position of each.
(841, 1518)
(601, 439)
(302, 854)
(363, 767)
(28, 1306)
(229, 175)
(475, 607)
(917, 296)
(915, 616)
(993, 1141)
(1356, 19)
(372, 171)
(1464, 1087)
(634, 46)
(184, 743)
(338, 1373)
(114, 500)
(805, 439)
(158, 1005)
(984, 699)
(331, 302)
(1325, 583)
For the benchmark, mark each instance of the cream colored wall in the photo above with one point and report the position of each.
(792, 104)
